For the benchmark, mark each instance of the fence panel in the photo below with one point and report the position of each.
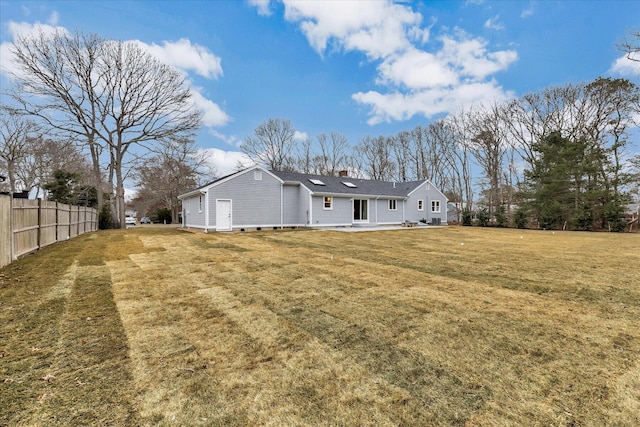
(82, 218)
(25, 226)
(73, 221)
(64, 217)
(48, 223)
(28, 225)
(5, 230)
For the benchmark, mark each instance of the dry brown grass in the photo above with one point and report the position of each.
(454, 326)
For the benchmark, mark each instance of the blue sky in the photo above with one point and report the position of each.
(359, 68)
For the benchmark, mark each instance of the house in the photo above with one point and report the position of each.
(259, 198)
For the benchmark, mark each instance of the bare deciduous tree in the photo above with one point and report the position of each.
(630, 45)
(272, 145)
(376, 156)
(109, 96)
(488, 147)
(333, 156)
(169, 173)
(18, 136)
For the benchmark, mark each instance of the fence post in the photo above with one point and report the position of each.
(6, 230)
(39, 245)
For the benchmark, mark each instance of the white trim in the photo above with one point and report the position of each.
(265, 226)
(281, 204)
(359, 221)
(206, 211)
(420, 205)
(404, 215)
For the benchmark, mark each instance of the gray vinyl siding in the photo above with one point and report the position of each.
(428, 193)
(194, 218)
(341, 214)
(253, 203)
(296, 202)
(387, 216)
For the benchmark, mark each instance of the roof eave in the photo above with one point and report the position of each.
(192, 193)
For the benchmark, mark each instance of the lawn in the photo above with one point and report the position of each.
(415, 327)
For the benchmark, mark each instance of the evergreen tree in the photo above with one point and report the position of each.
(65, 188)
(564, 186)
(62, 188)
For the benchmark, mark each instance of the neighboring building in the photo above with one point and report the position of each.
(258, 198)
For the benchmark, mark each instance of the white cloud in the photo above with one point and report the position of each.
(229, 139)
(226, 162)
(494, 23)
(625, 66)
(376, 28)
(53, 19)
(263, 6)
(412, 80)
(527, 12)
(300, 136)
(23, 29)
(471, 58)
(398, 106)
(416, 69)
(213, 115)
(186, 56)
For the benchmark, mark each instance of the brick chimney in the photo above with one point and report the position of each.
(343, 173)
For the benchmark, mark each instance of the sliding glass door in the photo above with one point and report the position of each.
(360, 210)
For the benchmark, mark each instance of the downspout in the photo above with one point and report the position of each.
(281, 206)
(428, 210)
(206, 212)
(310, 210)
(404, 218)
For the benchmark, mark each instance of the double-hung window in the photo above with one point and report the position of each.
(435, 206)
(393, 204)
(420, 205)
(328, 202)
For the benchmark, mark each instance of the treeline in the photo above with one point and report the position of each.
(558, 158)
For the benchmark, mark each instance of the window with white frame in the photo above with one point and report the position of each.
(328, 202)
(435, 206)
(420, 205)
(393, 205)
(200, 203)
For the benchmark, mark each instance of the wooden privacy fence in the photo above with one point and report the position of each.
(28, 225)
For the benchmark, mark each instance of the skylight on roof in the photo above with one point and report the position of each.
(349, 184)
(316, 181)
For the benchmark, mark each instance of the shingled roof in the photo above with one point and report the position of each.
(346, 185)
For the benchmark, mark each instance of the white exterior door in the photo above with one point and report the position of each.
(223, 215)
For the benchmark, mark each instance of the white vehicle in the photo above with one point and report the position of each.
(130, 220)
